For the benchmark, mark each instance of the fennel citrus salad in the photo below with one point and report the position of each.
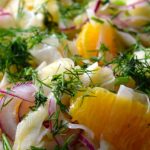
(74, 74)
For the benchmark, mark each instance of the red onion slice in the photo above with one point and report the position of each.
(9, 114)
(132, 6)
(4, 14)
(86, 142)
(8, 93)
(6, 19)
(79, 126)
(68, 29)
(97, 5)
(51, 110)
(25, 91)
(9, 117)
(52, 106)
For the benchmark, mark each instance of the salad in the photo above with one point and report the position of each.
(74, 74)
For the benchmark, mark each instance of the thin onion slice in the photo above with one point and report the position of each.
(95, 9)
(79, 126)
(25, 91)
(9, 117)
(97, 5)
(133, 5)
(86, 142)
(6, 19)
(51, 110)
(52, 106)
(68, 29)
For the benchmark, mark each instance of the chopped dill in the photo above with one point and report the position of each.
(59, 126)
(37, 148)
(67, 83)
(119, 2)
(102, 50)
(72, 10)
(40, 99)
(146, 28)
(14, 53)
(48, 18)
(14, 49)
(80, 61)
(122, 80)
(128, 65)
(105, 1)
(119, 28)
(5, 142)
(26, 74)
(66, 144)
(6, 103)
(97, 20)
(20, 13)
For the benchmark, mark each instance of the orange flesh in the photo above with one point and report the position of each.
(88, 40)
(122, 122)
(92, 35)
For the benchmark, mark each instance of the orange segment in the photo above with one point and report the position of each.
(92, 35)
(88, 39)
(124, 124)
(108, 37)
(121, 121)
(93, 110)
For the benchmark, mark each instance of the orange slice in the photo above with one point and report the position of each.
(123, 120)
(94, 34)
(92, 110)
(88, 39)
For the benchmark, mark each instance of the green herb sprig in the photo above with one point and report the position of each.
(72, 10)
(128, 65)
(14, 49)
(59, 126)
(5, 142)
(37, 148)
(67, 83)
(40, 99)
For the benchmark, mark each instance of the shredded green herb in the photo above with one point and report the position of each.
(105, 1)
(36, 148)
(40, 99)
(97, 20)
(65, 145)
(102, 50)
(146, 28)
(6, 144)
(5, 103)
(80, 61)
(122, 80)
(72, 10)
(67, 83)
(14, 49)
(20, 13)
(128, 65)
(26, 74)
(48, 21)
(59, 126)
